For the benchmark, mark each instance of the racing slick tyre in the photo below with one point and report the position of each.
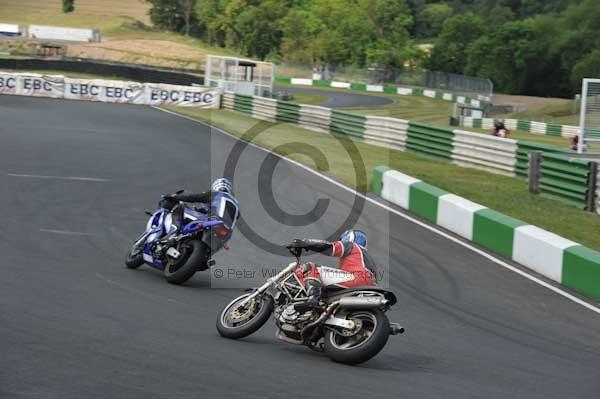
(134, 258)
(361, 344)
(235, 322)
(192, 255)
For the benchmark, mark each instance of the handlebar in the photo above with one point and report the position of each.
(295, 251)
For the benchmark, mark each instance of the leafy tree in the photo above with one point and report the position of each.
(511, 55)
(529, 8)
(187, 10)
(499, 15)
(450, 51)
(258, 28)
(164, 14)
(211, 21)
(347, 31)
(586, 67)
(302, 42)
(68, 6)
(430, 19)
(390, 20)
(525, 46)
(173, 15)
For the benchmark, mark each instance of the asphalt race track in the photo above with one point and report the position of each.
(75, 178)
(339, 99)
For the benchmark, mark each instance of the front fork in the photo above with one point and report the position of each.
(263, 288)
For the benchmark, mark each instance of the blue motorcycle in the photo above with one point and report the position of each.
(180, 251)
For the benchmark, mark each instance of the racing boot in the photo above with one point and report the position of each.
(313, 288)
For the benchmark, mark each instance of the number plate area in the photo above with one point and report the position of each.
(173, 253)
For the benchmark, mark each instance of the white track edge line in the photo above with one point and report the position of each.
(407, 217)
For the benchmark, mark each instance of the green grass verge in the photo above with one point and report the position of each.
(560, 114)
(504, 194)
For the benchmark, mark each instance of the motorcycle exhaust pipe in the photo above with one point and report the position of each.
(353, 302)
(396, 329)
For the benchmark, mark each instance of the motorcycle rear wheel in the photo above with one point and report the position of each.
(365, 343)
(181, 270)
(235, 323)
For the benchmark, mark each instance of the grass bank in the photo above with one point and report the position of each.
(504, 194)
(561, 114)
(127, 35)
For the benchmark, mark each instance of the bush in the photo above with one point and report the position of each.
(68, 6)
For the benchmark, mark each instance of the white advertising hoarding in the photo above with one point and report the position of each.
(112, 91)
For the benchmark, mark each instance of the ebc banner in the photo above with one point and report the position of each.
(8, 83)
(104, 90)
(187, 96)
(41, 85)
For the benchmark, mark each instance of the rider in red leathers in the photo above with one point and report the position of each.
(356, 267)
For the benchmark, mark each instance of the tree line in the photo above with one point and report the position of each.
(531, 47)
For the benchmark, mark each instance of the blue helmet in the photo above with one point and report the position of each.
(355, 236)
(222, 184)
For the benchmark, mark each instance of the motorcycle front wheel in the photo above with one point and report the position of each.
(192, 255)
(238, 322)
(134, 258)
(367, 340)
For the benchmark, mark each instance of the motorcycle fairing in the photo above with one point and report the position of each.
(332, 276)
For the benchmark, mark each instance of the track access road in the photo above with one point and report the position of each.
(75, 178)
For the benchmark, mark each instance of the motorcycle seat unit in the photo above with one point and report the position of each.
(332, 293)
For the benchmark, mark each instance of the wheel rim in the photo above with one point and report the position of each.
(368, 325)
(135, 250)
(233, 316)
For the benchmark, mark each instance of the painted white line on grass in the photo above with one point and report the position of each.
(94, 179)
(66, 232)
(407, 217)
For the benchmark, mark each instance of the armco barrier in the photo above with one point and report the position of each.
(548, 129)
(287, 112)
(264, 108)
(403, 91)
(315, 118)
(430, 140)
(242, 103)
(107, 90)
(562, 178)
(523, 150)
(493, 154)
(348, 124)
(386, 132)
(550, 255)
(565, 178)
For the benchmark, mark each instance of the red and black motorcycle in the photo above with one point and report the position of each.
(350, 326)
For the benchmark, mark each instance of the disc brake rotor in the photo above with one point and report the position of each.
(351, 332)
(242, 313)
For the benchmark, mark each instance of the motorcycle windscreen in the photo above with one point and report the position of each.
(228, 212)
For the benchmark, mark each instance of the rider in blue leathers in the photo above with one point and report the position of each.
(210, 202)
